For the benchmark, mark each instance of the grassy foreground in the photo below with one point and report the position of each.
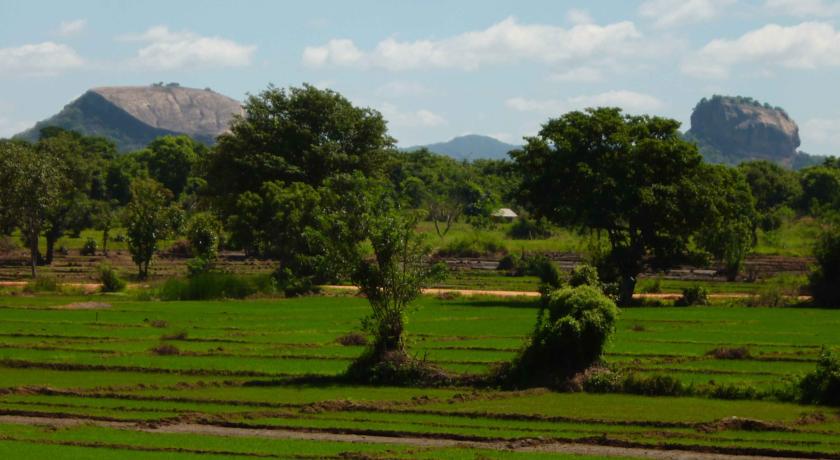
(91, 358)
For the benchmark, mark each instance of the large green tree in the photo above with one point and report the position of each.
(631, 177)
(172, 160)
(148, 218)
(297, 135)
(30, 184)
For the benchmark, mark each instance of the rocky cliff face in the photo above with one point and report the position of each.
(133, 116)
(740, 129)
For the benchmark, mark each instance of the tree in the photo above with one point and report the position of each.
(727, 232)
(631, 177)
(820, 188)
(297, 135)
(171, 160)
(30, 185)
(203, 231)
(771, 185)
(824, 280)
(148, 218)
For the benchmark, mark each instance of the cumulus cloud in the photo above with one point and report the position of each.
(672, 13)
(507, 41)
(809, 45)
(804, 8)
(39, 59)
(416, 119)
(630, 101)
(166, 50)
(68, 28)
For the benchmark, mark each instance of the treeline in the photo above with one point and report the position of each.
(304, 172)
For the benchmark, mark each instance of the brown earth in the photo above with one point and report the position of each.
(591, 447)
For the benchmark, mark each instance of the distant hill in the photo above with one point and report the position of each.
(734, 129)
(470, 147)
(132, 116)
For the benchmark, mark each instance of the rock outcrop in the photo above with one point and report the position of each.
(736, 129)
(133, 116)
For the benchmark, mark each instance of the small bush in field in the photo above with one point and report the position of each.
(569, 336)
(212, 285)
(110, 279)
(474, 245)
(730, 353)
(822, 386)
(584, 275)
(353, 339)
(42, 284)
(89, 248)
(159, 323)
(527, 229)
(691, 296)
(180, 335)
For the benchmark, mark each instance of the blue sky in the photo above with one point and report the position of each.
(438, 69)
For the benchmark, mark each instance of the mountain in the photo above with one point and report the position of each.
(132, 116)
(732, 130)
(470, 147)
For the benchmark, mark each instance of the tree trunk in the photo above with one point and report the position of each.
(105, 242)
(389, 337)
(33, 253)
(50, 248)
(626, 287)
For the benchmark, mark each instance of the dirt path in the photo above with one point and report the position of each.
(476, 292)
(312, 435)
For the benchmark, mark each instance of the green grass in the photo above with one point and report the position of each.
(237, 356)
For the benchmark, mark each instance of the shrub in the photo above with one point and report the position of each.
(569, 336)
(165, 349)
(822, 386)
(584, 275)
(654, 385)
(216, 286)
(198, 265)
(694, 295)
(824, 281)
(203, 233)
(42, 284)
(353, 338)
(159, 323)
(476, 244)
(89, 248)
(730, 353)
(527, 229)
(110, 279)
(510, 262)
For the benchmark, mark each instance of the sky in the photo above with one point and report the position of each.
(438, 69)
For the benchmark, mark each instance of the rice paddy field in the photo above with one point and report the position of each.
(109, 376)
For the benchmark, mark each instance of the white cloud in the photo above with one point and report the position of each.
(40, 59)
(507, 41)
(579, 74)
(672, 13)
(68, 28)
(167, 50)
(824, 132)
(630, 101)
(576, 16)
(804, 8)
(808, 45)
(419, 118)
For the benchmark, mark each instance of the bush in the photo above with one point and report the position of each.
(730, 353)
(584, 275)
(654, 287)
(353, 339)
(216, 286)
(823, 385)
(198, 265)
(475, 245)
(89, 248)
(569, 336)
(694, 295)
(110, 279)
(654, 385)
(527, 229)
(42, 284)
(203, 233)
(824, 281)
